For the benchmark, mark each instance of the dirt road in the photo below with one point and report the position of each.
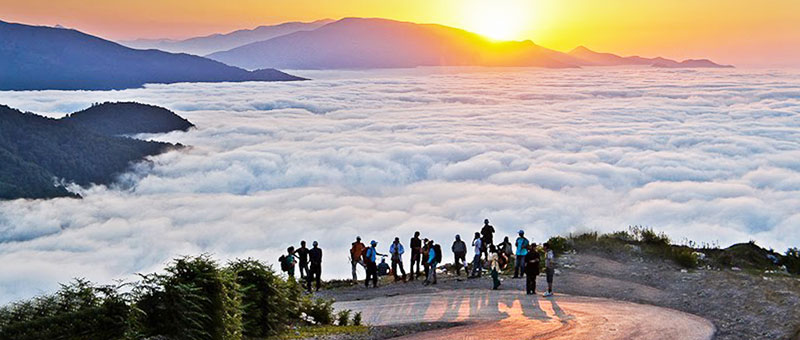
(513, 315)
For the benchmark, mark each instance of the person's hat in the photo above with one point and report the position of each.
(373, 242)
(521, 231)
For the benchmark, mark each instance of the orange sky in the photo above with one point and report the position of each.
(741, 32)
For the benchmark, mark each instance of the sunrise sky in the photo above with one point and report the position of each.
(741, 32)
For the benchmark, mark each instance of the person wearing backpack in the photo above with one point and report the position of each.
(522, 250)
(370, 258)
(315, 256)
(356, 256)
(396, 251)
(434, 254)
(288, 261)
(459, 249)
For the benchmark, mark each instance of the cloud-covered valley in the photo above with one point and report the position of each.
(711, 155)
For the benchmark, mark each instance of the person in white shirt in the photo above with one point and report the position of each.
(550, 267)
(477, 265)
(495, 266)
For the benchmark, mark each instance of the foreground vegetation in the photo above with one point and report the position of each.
(194, 299)
(742, 256)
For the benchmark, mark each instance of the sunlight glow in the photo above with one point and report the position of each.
(499, 20)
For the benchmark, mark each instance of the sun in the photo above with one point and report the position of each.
(498, 20)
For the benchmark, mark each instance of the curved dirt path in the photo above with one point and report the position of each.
(513, 315)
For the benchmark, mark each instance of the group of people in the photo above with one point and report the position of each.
(309, 260)
(428, 254)
(424, 252)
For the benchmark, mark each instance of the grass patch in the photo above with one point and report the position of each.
(305, 332)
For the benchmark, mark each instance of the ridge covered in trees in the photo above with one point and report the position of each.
(39, 154)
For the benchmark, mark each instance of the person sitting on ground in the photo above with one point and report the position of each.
(289, 261)
(477, 265)
(315, 257)
(522, 250)
(504, 252)
(370, 258)
(549, 268)
(487, 236)
(302, 255)
(416, 253)
(396, 251)
(357, 256)
(459, 249)
(495, 266)
(383, 268)
(532, 264)
(434, 251)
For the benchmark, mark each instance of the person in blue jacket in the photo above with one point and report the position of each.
(370, 257)
(434, 254)
(396, 252)
(522, 250)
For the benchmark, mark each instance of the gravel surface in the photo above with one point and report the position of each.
(741, 305)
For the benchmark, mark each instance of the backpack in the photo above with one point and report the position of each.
(367, 255)
(284, 265)
(438, 253)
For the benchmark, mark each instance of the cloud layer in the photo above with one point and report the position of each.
(710, 155)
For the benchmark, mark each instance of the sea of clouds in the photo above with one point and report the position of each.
(708, 155)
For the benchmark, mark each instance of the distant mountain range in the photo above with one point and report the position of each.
(39, 58)
(222, 42)
(38, 153)
(357, 43)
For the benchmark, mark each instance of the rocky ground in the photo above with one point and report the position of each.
(741, 304)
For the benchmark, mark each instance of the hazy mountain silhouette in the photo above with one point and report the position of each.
(127, 118)
(223, 42)
(356, 43)
(39, 58)
(37, 152)
(592, 58)
(381, 43)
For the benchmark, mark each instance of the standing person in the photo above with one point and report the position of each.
(477, 266)
(288, 262)
(396, 251)
(315, 255)
(425, 252)
(532, 264)
(549, 268)
(433, 256)
(357, 256)
(487, 236)
(460, 253)
(495, 266)
(302, 255)
(370, 257)
(522, 250)
(504, 252)
(416, 253)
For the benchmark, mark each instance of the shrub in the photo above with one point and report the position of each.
(195, 300)
(792, 260)
(343, 317)
(265, 300)
(79, 310)
(648, 236)
(684, 257)
(559, 244)
(320, 310)
(357, 319)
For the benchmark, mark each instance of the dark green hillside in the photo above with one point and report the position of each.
(128, 118)
(36, 151)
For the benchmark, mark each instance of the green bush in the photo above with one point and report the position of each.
(79, 310)
(266, 302)
(320, 311)
(792, 260)
(559, 244)
(357, 319)
(195, 300)
(684, 257)
(648, 236)
(343, 317)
